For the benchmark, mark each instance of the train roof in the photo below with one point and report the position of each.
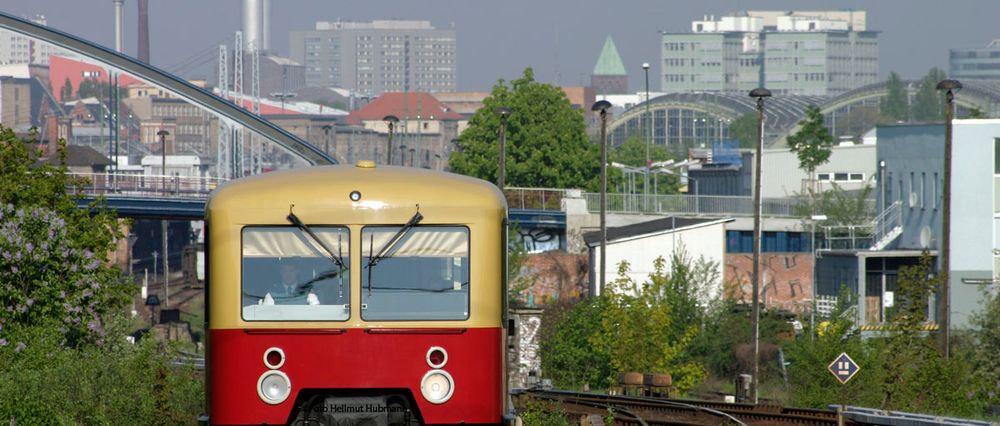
(329, 188)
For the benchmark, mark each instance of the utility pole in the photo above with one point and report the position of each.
(951, 86)
(602, 107)
(759, 93)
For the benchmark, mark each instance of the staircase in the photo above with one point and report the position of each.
(887, 226)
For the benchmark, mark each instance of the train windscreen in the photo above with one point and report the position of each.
(288, 274)
(424, 275)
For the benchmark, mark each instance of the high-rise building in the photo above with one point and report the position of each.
(609, 77)
(796, 53)
(19, 49)
(978, 63)
(379, 56)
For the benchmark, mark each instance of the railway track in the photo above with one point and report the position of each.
(632, 410)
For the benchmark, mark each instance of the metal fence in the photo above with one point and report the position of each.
(139, 185)
(534, 198)
(693, 204)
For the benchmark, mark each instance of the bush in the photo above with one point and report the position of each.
(43, 381)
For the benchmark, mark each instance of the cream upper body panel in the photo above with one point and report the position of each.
(387, 196)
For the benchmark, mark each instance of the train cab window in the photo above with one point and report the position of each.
(290, 276)
(424, 275)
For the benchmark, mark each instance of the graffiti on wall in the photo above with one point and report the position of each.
(524, 357)
(786, 279)
(553, 276)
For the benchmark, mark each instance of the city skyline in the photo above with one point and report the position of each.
(557, 39)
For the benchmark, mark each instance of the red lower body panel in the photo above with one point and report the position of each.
(355, 359)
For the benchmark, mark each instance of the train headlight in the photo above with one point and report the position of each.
(437, 357)
(274, 358)
(437, 386)
(274, 387)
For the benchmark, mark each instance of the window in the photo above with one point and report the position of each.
(823, 176)
(288, 276)
(857, 177)
(424, 276)
(996, 156)
(935, 202)
(840, 177)
(923, 189)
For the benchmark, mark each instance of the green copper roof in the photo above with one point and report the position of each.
(609, 63)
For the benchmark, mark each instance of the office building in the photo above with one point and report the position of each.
(19, 49)
(790, 53)
(977, 63)
(376, 57)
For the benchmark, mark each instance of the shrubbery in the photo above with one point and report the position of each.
(64, 357)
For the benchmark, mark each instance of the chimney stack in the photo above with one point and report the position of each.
(143, 51)
(251, 24)
(265, 42)
(119, 26)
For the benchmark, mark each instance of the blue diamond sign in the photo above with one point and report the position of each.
(843, 368)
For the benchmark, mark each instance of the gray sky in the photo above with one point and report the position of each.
(560, 39)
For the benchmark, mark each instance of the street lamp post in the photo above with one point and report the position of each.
(163, 157)
(649, 124)
(390, 120)
(760, 93)
(602, 106)
(503, 112)
(952, 86)
(326, 131)
(812, 240)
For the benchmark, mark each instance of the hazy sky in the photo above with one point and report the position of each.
(560, 39)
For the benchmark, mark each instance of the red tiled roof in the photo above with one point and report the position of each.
(395, 103)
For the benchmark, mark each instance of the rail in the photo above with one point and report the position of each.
(661, 411)
(887, 224)
(709, 205)
(141, 185)
(535, 198)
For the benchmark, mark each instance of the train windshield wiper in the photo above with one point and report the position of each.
(385, 251)
(298, 223)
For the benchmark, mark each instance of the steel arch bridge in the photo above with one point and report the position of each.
(184, 90)
(784, 111)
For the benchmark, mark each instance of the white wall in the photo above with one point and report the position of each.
(783, 178)
(701, 240)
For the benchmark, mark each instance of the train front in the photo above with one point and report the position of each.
(356, 295)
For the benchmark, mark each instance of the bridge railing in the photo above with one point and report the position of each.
(140, 185)
(710, 205)
(534, 198)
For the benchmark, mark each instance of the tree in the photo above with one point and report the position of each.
(928, 104)
(987, 345)
(976, 112)
(633, 153)
(54, 266)
(896, 106)
(547, 143)
(66, 92)
(744, 130)
(813, 144)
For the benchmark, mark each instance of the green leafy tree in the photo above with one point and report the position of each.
(568, 357)
(641, 332)
(744, 130)
(633, 153)
(813, 144)
(547, 144)
(66, 92)
(54, 265)
(928, 104)
(987, 346)
(976, 112)
(896, 106)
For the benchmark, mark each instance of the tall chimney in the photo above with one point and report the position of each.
(266, 27)
(119, 24)
(143, 51)
(251, 23)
